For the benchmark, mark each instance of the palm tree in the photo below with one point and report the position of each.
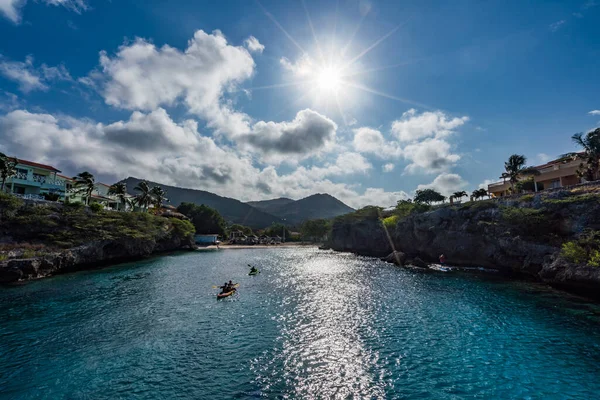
(119, 190)
(144, 198)
(158, 197)
(482, 193)
(515, 168)
(85, 184)
(459, 195)
(590, 142)
(7, 168)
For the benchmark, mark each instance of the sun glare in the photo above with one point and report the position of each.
(329, 79)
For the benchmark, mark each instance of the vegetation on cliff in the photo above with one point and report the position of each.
(55, 226)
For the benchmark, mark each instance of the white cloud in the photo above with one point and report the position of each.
(11, 9)
(368, 140)
(413, 126)
(74, 5)
(153, 146)
(556, 25)
(308, 133)
(142, 76)
(29, 77)
(303, 67)
(389, 167)
(254, 45)
(594, 112)
(485, 183)
(446, 184)
(430, 156)
(542, 158)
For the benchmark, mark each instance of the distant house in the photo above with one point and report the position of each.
(210, 238)
(36, 181)
(99, 195)
(554, 174)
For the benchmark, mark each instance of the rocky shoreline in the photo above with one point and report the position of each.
(88, 256)
(522, 243)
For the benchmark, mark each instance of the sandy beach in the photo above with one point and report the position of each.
(256, 246)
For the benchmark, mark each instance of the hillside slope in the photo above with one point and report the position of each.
(311, 207)
(232, 210)
(273, 204)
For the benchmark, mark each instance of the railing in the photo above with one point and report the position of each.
(39, 178)
(21, 175)
(30, 196)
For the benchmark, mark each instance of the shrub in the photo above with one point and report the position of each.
(96, 207)
(390, 222)
(531, 222)
(479, 205)
(404, 208)
(527, 197)
(585, 250)
(573, 252)
(75, 205)
(51, 196)
(182, 228)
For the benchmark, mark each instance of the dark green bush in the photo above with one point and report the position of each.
(585, 250)
(530, 221)
(96, 207)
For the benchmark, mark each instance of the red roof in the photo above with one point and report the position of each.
(103, 184)
(64, 177)
(37, 165)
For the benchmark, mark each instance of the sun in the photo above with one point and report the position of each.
(329, 79)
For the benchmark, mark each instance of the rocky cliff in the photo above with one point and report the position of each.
(518, 237)
(38, 240)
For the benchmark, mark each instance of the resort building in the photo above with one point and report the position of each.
(553, 174)
(36, 181)
(211, 238)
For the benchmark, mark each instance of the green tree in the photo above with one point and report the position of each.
(590, 157)
(515, 168)
(428, 196)
(315, 229)
(206, 220)
(7, 168)
(278, 229)
(459, 195)
(246, 230)
(144, 198)
(119, 190)
(84, 185)
(159, 196)
(479, 193)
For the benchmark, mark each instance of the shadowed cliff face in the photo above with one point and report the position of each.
(516, 236)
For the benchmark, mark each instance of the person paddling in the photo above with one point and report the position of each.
(442, 259)
(253, 269)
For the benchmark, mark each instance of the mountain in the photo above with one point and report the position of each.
(311, 207)
(231, 209)
(265, 205)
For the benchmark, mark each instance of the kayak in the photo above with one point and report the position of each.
(254, 273)
(227, 294)
(223, 295)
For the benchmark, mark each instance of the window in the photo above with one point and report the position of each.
(21, 173)
(555, 184)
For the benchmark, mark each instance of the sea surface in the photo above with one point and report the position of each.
(313, 325)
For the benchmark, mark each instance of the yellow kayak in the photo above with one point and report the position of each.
(227, 294)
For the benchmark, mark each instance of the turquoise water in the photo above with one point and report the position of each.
(313, 324)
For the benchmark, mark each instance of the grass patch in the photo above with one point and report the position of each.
(526, 198)
(479, 205)
(585, 198)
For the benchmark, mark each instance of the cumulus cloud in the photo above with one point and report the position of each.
(389, 167)
(594, 112)
(430, 156)
(446, 184)
(485, 183)
(368, 140)
(153, 146)
(307, 133)
(141, 76)
(254, 45)
(303, 67)
(413, 126)
(30, 77)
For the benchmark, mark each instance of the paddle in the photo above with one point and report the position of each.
(235, 286)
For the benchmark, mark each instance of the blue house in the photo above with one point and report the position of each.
(210, 238)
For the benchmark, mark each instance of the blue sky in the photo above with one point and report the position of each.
(366, 100)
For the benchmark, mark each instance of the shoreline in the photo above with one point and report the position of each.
(256, 246)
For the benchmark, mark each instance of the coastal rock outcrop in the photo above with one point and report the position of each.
(516, 237)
